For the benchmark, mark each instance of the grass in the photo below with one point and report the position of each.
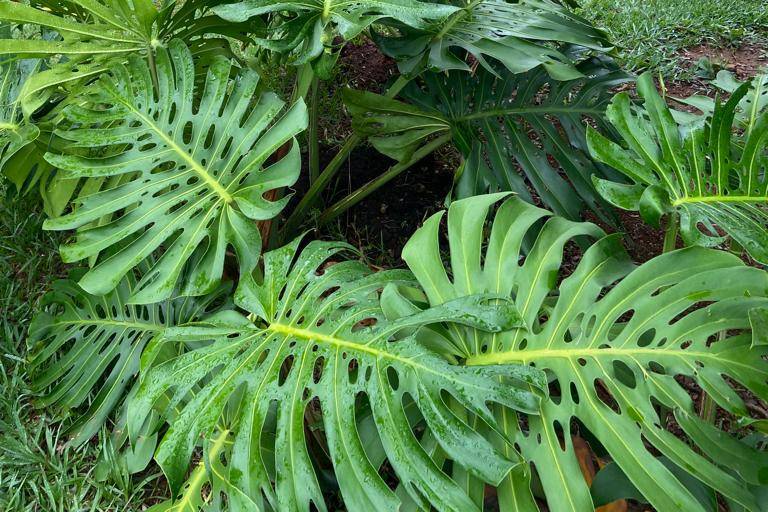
(38, 470)
(651, 33)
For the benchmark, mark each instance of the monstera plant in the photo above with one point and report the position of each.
(612, 338)
(712, 178)
(265, 370)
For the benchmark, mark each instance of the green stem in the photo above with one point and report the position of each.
(304, 80)
(321, 183)
(153, 69)
(373, 185)
(670, 236)
(670, 243)
(313, 133)
(708, 411)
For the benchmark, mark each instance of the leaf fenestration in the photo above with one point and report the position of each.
(613, 338)
(714, 178)
(194, 166)
(320, 345)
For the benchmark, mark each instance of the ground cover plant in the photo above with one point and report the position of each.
(200, 347)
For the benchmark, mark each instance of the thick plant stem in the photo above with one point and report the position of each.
(313, 133)
(153, 69)
(670, 236)
(708, 407)
(373, 185)
(670, 244)
(321, 183)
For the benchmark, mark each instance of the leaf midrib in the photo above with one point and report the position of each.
(719, 199)
(532, 356)
(191, 162)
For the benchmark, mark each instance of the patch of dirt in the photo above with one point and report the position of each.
(745, 62)
(382, 223)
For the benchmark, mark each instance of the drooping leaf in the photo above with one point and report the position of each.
(516, 133)
(613, 338)
(714, 178)
(514, 34)
(96, 34)
(87, 349)
(192, 166)
(310, 26)
(320, 346)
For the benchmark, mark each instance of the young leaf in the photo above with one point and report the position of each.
(612, 338)
(320, 347)
(192, 161)
(713, 178)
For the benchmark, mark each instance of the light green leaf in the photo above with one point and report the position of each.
(612, 338)
(97, 34)
(320, 347)
(713, 177)
(192, 161)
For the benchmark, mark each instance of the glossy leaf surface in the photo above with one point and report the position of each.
(194, 168)
(321, 346)
(613, 338)
(715, 178)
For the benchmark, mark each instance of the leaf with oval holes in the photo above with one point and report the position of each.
(194, 162)
(613, 338)
(321, 346)
(87, 350)
(715, 179)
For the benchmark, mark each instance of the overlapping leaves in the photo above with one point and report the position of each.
(87, 349)
(95, 34)
(320, 348)
(514, 34)
(714, 178)
(191, 167)
(613, 338)
(309, 27)
(514, 132)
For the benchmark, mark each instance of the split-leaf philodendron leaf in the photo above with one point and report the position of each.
(81, 344)
(312, 24)
(514, 34)
(320, 346)
(515, 133)
(192, 161)
(715, 179)
(613, 339)
(93, 35)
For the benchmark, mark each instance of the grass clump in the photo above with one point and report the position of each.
(651, 33)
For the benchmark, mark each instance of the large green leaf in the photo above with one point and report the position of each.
(192, 162)
(516, 34)
(613, 339)
(94, 34)
(310, 26)
(320, 347)
(86, 349)
(713, 178)
(516, 133)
